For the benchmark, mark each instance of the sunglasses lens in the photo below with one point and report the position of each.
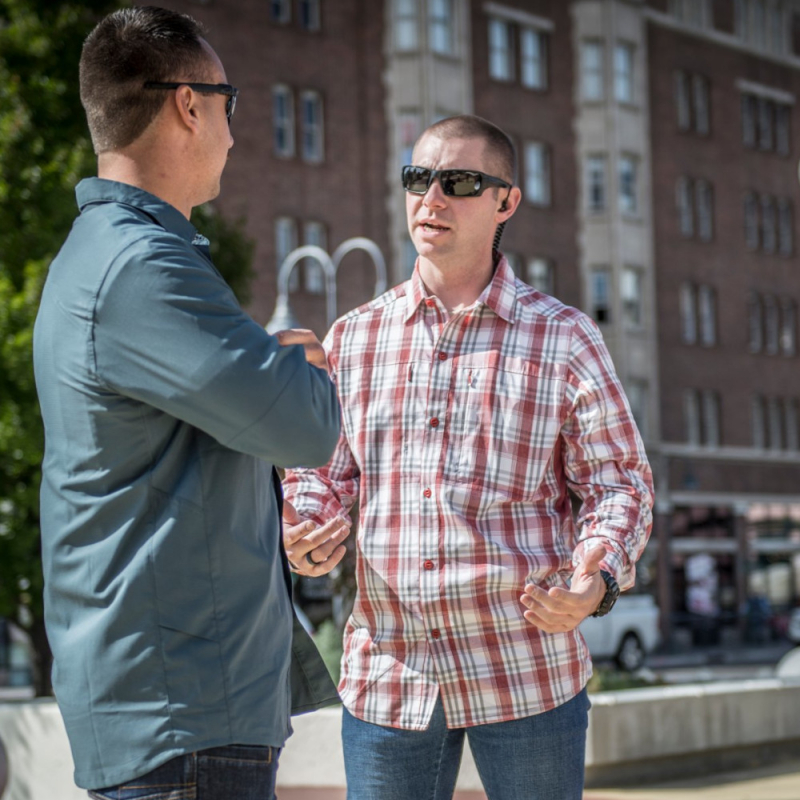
(416, 179)
(459, 183)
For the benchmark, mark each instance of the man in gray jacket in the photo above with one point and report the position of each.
(165, 406)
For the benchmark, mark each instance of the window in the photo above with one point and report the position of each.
(637, 392)
(691, 415)
(440, 26)
(501, 55)
(309, 15)
(592, 54)
(623, 73)
(537, 174)
(692, 12)
(532, 59)
(785, 227)
(772, 329)
(711, 426)
(748, 120)
(632, 300)
(751, 236)
(406, 25)
(311, 120)
(758, 23)
(280, 11)
(705, 213)
(682, 101)
(765, 112)
(688, 313)
(685, 201)
(285, 243)
(409, 257)
(769, 225)
(283, 121)
(601, 294)
(409, 124)
(707, 313)
(788, 327)
(702, 123)
(541, 275)
(314, 233)
(758, 420)
(755, 323)
(627, 185)
(790, 425)
(774, 423)
(782, 130)
(596, 183)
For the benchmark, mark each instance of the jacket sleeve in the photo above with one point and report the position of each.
(329, 491)
(604, 459)
(168, 331)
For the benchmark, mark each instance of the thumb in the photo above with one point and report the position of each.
(290, 515)
(591, 562)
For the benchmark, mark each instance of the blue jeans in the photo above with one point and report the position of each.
(535, 758)
(235, 772)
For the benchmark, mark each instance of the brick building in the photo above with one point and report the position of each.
(658, 146)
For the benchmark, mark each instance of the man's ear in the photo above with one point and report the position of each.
(508, 205)
(186, 107)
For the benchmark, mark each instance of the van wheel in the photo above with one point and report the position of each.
(630, 655)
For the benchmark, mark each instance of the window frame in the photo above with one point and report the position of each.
(623, 77)
(597, 73)
(315, 128)
(545, 172)
(443, 22)
(287, 126)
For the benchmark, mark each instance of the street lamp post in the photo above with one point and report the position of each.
(283, 317)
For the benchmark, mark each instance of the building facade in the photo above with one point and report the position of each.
(658, 144)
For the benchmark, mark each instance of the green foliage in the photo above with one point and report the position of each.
(45, 150)
(328, 640)
(608, 679)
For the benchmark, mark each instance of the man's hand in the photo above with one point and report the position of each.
(315, 355)
(313, 550)
(559, 610)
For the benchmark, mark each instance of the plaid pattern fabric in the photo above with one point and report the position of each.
(461, 436)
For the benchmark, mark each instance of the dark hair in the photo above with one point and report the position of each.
(498, 144)
(126, 49)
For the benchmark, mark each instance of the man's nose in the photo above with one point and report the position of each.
(435, 195)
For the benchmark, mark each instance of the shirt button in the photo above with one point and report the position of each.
(430, 302)
(427, 493)
(428, 565)
(435, 422)
(442, 356)
(436, 633)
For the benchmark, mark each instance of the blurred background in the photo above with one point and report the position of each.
(658, 148)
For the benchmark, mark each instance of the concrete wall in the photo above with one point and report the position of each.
(634, 735)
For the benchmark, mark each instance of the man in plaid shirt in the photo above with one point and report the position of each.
(473, 408)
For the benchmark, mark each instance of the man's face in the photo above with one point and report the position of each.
(216, 140)
(452, 229)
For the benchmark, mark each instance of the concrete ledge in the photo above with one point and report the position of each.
(635, 736)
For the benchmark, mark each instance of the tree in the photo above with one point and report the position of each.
(44, 151)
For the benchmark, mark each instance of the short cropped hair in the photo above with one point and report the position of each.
(126, 49)
(500, 148)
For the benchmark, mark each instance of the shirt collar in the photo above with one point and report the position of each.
(500, 295)
(100, 190)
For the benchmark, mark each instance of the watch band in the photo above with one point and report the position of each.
(611, 595)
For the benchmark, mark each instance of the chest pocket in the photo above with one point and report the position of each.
(506, 416)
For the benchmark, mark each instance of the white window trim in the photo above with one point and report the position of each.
(320, 157)
(520, 17)
(291, 150)
(767, 92)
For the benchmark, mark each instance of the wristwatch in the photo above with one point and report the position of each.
(610, 597)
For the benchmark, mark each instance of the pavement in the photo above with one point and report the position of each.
(777, 782)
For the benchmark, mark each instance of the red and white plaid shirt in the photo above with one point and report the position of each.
(461, 435)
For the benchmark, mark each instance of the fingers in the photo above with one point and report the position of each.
(321, 544)
(290, 515)
(315, 354)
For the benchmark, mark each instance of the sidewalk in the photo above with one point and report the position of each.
(777, 782)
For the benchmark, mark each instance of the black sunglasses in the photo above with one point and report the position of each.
(204, 88)
(454, 182)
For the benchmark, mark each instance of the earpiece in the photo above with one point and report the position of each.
(503, 206)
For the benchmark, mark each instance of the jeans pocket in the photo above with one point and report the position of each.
(140, 792)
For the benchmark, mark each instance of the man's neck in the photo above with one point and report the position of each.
(457, 286)
(125, 168)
